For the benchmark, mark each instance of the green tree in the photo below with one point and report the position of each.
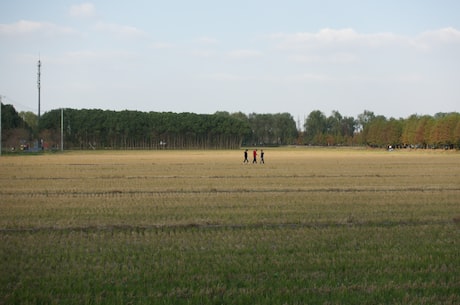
(30, 119)
(362, 125)
(408, 136)
(392, 132)
(14, 130)
(10, 117)
(423, 131)
(456, 133)
(443, 131)
(285, 128)
(315, 128)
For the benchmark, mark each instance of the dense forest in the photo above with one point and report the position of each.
(104, 129)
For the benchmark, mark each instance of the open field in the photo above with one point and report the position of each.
(311, 226)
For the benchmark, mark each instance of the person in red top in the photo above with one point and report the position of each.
(254, 154)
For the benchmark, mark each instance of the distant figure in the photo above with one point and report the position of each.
(262, 156)
(254, 154)
(246, 156)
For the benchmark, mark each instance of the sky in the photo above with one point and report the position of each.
(395, 57)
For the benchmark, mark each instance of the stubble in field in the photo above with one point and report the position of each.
(181, 227)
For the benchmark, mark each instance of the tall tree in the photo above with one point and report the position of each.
(362, 126)
(315, 127)
(30, 119)
(14, 130)
(285, 128)
(10, 117)
(409, 131)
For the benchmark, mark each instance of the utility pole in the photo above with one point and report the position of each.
(38, 117)
(38, 85)
(62, 129)
(0, 125)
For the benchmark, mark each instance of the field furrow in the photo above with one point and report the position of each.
(311, 226)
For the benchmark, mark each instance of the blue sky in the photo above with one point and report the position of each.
(395, 58)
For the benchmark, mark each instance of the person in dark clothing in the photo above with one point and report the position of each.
(262, 161)
(254, 154)
(246, 156)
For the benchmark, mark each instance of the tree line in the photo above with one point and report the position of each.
(105, 129)
(417, 131)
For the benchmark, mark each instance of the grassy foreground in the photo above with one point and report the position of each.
(311, 226)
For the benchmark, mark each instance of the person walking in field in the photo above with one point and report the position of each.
(262, 161)
(254, 154)
(246, 156)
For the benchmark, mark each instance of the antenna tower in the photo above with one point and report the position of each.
(38, 85)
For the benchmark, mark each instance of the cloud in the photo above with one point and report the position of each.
(409, 78)
(430, 39)
(91, 57)
(162, 45)
(335, 58)
(349, 39)
(207, 40)
(331, 37)
(229, 77)
(27, 28)
(84, 10)
(242, 54)
(204, 53)
(308, 77)
(446, 35)
(298, 78)
(122, 31)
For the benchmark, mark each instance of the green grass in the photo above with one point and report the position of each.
(308, 227)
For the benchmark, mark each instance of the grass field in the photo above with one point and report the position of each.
(311, 226)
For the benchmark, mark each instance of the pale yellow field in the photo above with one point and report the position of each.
(311, 226)
(152, 188)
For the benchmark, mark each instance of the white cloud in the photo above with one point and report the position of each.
(207, 40)
(446, 35)
(242, 54)
(26, 27)
(429, 39)
(122, 31)
(302, 78)
(409, 78)
(330, 36)
(336, 38)
(308, 77)
(229, 77)
(162, 45)
(84, 10)
(342, 40)
(204, 53)
(90, 57)
(335, 58)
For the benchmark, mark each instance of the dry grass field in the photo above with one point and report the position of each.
(310, 226)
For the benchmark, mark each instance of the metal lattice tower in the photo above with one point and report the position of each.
(38, 85)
